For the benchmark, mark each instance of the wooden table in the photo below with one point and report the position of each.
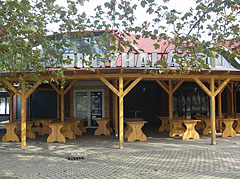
(190, 132)
(237, 129)
(228, 130)
(44, 129)
(29, 133)
(82, 127)
(165, 124)
(127, 129)
(135, 131)
(76, 122)
(177, 127)
(103, 127)
(10, 133)
(56, 135)
(67, 129)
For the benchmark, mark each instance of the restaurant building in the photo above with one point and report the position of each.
(128, 86)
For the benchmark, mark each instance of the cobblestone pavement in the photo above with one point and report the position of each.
(99, 157)
(217, 163)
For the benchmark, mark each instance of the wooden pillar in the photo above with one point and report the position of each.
(121, 139)
(11, 108)
(23, 116)
(62, 103)
(219, 103)
(115, 109)
(212, 113)
(232, 98)
(58, 106)
(170, 100)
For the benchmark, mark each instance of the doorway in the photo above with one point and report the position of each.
(89, 104)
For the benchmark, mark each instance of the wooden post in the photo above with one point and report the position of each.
(58, 106)
(170, 100)
(62, 102)
(23, 116)
(219, 103)
(232, 98)
(212, 113)
(121, 139)
(11, 109)
(115, 109)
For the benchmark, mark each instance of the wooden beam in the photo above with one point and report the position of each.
(32, 89)
(177, 86)
(121, 139)
(11, 109)
(163, 86)
(58, 106)
(220, 103)
(13, 89)
(23, 116)
(204, 88)
(212, 113)
(11, 94)
(132, 75)
(110, 86)
(221, 87)
(131, 86)
(126, 83)
(70, 86)
(170, 99)
(62, 102)
(55, 88)
(229, 87)
(232, 98)
(115, 109)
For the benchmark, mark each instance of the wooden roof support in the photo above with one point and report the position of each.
(13, 89)
(31, 90)
(177, 86)
(212, 93)
(62, 102)
(23, 96)
(170, 92)
(212, 112)
(163, 86)
(121, 137)
(120, 93)
(131, 86)
(70, 86)
(220, 103)
(11, 94)
(62, 93)
(110, 86)
(55, 88)
(115, 108)
(126, 83)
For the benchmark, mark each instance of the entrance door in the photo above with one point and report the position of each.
(89, 104)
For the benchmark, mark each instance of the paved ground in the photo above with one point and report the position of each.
(99, 157)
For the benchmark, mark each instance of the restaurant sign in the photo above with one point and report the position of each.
(81, 60)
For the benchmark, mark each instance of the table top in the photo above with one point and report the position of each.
(102, 119)
(136, 122)
(133, 119)
(186, 120)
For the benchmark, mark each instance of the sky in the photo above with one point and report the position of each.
(179, 5)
